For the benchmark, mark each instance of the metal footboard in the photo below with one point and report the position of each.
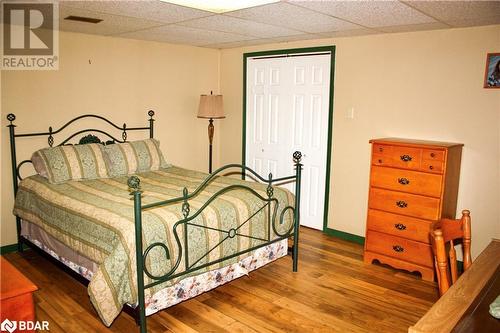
(269, 204)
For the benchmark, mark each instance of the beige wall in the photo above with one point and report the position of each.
(423, 85)
(124, 79)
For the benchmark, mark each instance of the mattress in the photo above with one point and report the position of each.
(94, 218)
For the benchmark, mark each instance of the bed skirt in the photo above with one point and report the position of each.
(184, 289)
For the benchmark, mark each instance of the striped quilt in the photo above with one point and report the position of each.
(96, 218)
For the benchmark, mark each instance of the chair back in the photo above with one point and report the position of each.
(445, 234)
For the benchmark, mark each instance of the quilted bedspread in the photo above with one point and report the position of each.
(96, 219)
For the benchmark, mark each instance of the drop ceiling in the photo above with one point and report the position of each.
(277, 22)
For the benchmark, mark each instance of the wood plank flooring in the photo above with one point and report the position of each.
(334, 291)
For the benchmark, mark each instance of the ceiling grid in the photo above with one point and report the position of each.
(280, 21)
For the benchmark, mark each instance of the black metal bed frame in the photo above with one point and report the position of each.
(270, 205)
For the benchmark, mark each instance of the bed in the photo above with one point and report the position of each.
(146, 238)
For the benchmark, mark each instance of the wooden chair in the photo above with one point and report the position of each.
(445, 234)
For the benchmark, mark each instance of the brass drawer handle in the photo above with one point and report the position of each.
(401, 204)
(400, 226)
(398, 248)
(431, 167)
(405, 158)
(403, 181)
(380, 149)
(380, 161)
(433, 155)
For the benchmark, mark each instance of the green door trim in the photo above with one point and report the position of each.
(316, 49)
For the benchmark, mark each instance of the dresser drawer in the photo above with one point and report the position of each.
(397, 156)
(400, 248)
(433, 154)
(432, 166)
(406, 181)
(404, 203)
(399, 225)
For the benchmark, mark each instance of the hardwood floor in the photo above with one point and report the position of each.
(334, 291)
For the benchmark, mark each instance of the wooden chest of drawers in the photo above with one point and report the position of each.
(412, 184)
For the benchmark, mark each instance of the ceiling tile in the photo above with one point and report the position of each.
(415, 27)
(349, 33)
(185, 35)
(110, 25)
(146, 9)
(298, 37)
(368, 13)
(475, 21)
(293, 17)
(448, 11)
(244, 27)
(230, 45)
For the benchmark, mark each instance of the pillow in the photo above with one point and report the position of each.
(62, 163)
(131, 157)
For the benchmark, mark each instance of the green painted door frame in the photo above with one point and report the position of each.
(318, 49)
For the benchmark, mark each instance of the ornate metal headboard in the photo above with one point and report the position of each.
(89, 138)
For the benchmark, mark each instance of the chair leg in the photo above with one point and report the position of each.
(467, 239)
(441, 262)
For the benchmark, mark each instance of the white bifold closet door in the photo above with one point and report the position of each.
(287, 109)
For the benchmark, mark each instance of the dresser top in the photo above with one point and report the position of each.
(13, 283)
(411, 142)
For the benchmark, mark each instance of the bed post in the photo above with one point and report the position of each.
(297, 156)
(12, 136)
(151, 113)
(134, 184)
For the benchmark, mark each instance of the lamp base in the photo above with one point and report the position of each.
(210, 140)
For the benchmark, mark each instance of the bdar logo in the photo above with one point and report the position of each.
(8, 325)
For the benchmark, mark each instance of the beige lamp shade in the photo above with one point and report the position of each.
(211, 107)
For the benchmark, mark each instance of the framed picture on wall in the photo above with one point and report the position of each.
(492, 72)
